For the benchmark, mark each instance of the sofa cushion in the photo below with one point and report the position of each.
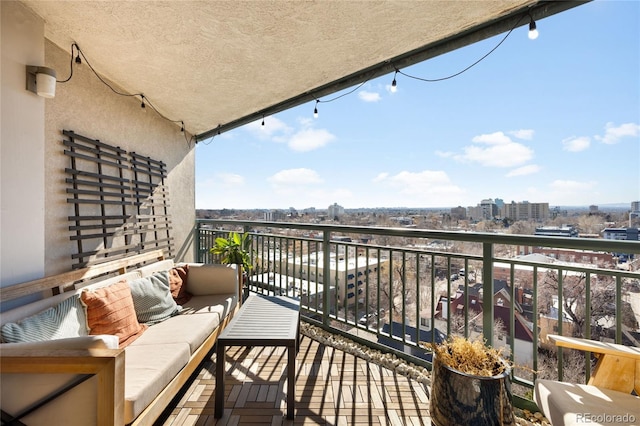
(66, 319)
(149, 368)
(178, 280)
(222, 304)
(189, 329)
(152, 299)
(110, 310)
(212, 279)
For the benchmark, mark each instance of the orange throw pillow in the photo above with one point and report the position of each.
(178, 284)
(110, 310)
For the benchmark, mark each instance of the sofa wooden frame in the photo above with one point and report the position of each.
(106, 364)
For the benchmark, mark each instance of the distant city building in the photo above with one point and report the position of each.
(526, 211)
(402, 220)
(474, 213)
(593, 209)
(335, 211)
(347, 274)
(489, 209)
(557, 231)
(634, 214)
(620, 234)
(556, 212)
(274, 215)
(458, 212)
(499, 203)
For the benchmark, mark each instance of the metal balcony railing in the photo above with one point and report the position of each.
(395, 289)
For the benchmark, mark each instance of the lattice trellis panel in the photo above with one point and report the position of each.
(120, 201)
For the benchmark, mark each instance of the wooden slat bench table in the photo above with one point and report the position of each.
(262, 321)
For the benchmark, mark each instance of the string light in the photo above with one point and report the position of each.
(432, 80)
(315, 110)
(394, 87)
(263, 120)
(533, 31)
(79, 56)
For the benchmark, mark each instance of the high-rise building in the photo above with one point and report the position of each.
(526, 211)
(335, 211)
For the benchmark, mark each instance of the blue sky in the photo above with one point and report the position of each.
(556, 120)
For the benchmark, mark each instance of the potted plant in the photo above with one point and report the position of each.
(235, 250)
(470, 384)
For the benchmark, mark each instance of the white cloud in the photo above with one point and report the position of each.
(310, 139)
(501, 154)
(571, 186)
(612, 134)
(497, 138)
(273, 128)
(526, 134)
(295, 177)
(576, 144)
(445, 154)
(381, 176)
(420, 184)
(524, 170)
(230, 179)
(369, 96)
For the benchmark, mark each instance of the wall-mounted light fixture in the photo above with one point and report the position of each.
(41, 81)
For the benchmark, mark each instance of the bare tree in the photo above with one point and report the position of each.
(602, 296)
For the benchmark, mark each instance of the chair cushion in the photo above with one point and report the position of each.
(571, 404)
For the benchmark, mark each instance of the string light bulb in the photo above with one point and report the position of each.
(533, 31)
(263, 120)
(394, 87)
(315, 110)
(78, 60)
(142, 105)
(182, 127)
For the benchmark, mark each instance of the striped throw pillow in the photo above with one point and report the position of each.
(110, 311)
(152, 298)
(67, 319)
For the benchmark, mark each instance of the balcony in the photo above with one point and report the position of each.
(413, 291)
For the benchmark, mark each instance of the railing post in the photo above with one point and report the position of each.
(326, 276)
(198, 243)
(487, 292)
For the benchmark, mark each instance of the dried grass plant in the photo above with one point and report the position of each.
(470, 357)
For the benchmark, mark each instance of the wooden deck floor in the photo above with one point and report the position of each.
(332, 388)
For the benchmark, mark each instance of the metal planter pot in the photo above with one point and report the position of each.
(463, 399)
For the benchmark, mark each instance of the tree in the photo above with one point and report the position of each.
(603, 301)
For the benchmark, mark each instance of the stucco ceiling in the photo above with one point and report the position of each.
(225, 63)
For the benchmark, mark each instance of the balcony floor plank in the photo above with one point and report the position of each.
(332, 388)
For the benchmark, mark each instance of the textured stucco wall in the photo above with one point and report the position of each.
(22, 243)
(88, 107)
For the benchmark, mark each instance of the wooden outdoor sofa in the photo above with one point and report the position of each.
(93, 379)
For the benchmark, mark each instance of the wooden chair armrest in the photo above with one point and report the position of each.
(106, 364)
(596, 346)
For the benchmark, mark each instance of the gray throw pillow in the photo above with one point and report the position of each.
(152, 298)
